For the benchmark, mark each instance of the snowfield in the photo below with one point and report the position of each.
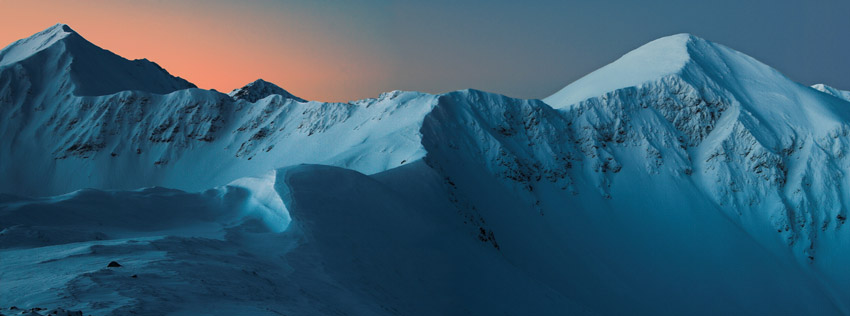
(683, 178)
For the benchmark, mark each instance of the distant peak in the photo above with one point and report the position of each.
(261, 82)
(259, 89)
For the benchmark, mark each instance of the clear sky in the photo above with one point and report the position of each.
(346, 50)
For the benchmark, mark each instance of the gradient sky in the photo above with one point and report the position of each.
(346, 50)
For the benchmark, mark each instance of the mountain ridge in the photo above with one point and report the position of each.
(715, 178)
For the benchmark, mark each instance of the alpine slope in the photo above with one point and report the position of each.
(683, 178)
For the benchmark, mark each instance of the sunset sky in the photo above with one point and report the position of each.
(346, 50)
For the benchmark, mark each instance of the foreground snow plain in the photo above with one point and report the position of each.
(684, 178)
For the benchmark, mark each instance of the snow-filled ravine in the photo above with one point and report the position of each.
(683, 178)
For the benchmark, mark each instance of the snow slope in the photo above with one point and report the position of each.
(653, 60)
(684, 178)
(335, 256)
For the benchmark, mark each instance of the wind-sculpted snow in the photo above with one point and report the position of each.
(845, 95)
(192, 247)
(380, 244)
(70, 218)
(173, 249)
(682, 175)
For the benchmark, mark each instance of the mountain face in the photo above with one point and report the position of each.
(762, 147)
(683, 178)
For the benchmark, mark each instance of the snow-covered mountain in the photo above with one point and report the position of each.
(59, 56)
(260, 89)
(146, 135)
(683, 178)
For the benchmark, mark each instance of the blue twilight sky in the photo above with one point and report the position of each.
(344, 50)
(531, 49)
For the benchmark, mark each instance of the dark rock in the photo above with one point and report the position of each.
(113, 264)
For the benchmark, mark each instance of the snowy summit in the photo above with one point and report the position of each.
(260, 89)
(92, 70)
(661, 57)
(27, 47)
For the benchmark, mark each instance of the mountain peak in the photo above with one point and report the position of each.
(61, 27)
(260, 89)
(92, 70)
(658, 58)
(21, 49)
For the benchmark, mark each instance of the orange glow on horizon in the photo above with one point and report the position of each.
(214, 45)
